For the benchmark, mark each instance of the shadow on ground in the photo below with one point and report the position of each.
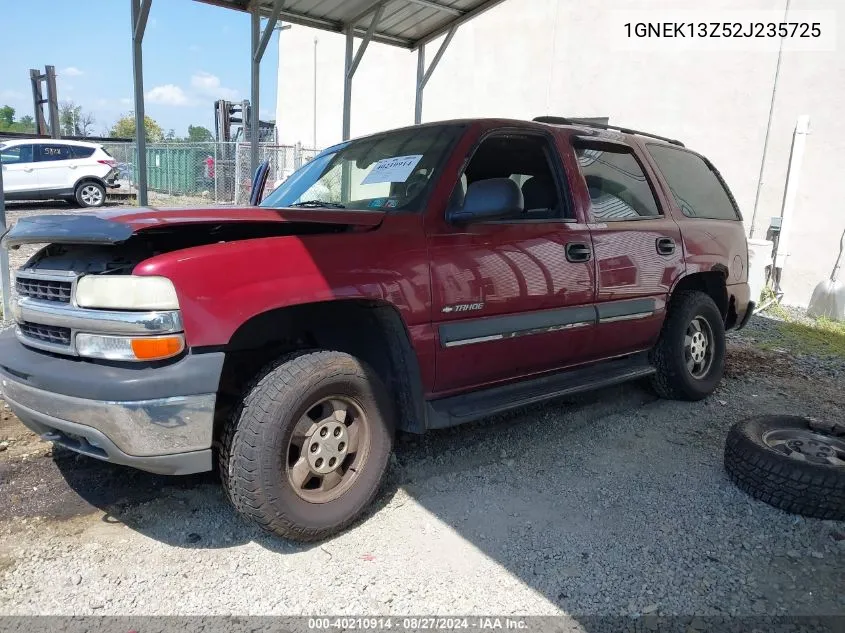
(613, 502)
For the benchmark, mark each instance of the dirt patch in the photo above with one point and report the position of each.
(16, 441)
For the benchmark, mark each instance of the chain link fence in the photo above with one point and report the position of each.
(191, 174)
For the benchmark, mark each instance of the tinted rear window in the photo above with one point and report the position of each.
(52, 152)
(81, 152)
(698, 189)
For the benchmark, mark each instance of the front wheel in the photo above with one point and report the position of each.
(307, 451)
(690, 355)
(90, 194)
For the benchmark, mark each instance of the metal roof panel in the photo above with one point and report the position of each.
(404, 23)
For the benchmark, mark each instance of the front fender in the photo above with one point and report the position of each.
(221, 286)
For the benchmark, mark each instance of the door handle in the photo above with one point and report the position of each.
(28, 169)
(578, 252)
(73, 166)
(665, 245)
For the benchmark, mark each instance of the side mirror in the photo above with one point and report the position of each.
(259, 181)
(490, 199)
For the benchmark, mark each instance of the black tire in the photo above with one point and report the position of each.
(800, 487)
(674, 379)
(90, 194)
(255, 443)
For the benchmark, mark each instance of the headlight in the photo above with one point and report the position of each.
(126, 292)
(129, 348)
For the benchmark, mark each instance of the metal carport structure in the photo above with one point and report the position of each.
(409, 24)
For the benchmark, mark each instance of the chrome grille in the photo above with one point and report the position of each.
(45, 333)
(44, 289)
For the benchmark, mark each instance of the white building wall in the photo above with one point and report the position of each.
(530, 57)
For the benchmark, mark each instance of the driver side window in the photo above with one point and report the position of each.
(527, 161)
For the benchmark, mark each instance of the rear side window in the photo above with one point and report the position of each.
(619, 189)
(79, 151)
(697, 188)
(52, 152)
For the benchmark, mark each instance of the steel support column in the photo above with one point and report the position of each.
(255, 68)
(424, 75)
(347, 83)
(5, 280)
(352, 63)
(259, 40)
(140, 13)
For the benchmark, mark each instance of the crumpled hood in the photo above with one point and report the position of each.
(113, 226)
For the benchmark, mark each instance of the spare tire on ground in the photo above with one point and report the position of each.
(793, 463)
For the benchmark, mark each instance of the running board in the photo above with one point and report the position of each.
(468, 407)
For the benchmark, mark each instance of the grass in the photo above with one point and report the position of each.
(822, 338)
(817, 337)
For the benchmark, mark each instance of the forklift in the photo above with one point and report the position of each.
(232, 126)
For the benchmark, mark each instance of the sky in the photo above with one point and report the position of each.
(194, 54)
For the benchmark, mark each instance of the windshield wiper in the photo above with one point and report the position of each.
(314, 204)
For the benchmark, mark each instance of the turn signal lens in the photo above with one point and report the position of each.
(128, 348)
(157, 348)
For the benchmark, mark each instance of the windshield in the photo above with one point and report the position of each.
(389, 171)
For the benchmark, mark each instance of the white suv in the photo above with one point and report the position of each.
(35, 169)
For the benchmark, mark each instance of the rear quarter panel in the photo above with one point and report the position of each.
(708, 245)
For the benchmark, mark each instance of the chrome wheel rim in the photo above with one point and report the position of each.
(698, 347)
(328, 449)
(804, 445)
(91, 195)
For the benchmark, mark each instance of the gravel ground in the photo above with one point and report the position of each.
(614, 503)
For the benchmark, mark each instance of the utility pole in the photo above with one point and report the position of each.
(279, 27)
(314, 146)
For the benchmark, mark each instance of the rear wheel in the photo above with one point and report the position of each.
(690, 355)
(90, 194)
(307, 451)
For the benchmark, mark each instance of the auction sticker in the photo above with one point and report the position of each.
(396, 169)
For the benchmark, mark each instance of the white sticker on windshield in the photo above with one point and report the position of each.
(396, 169)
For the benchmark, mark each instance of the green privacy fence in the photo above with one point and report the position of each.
(218, 172)
(179, 170)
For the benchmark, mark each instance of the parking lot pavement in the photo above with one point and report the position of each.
(613, 503)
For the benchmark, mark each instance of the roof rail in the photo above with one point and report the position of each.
(559, 120)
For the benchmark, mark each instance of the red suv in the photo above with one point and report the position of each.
(409, 280)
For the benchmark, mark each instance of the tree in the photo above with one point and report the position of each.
(8, 123)
(125, 128)
(85, 123)
(69, 114)
(7, 117)
(199, 134)
(170, 136)
(73, 121)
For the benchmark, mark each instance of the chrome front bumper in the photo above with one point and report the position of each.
(167, 435)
